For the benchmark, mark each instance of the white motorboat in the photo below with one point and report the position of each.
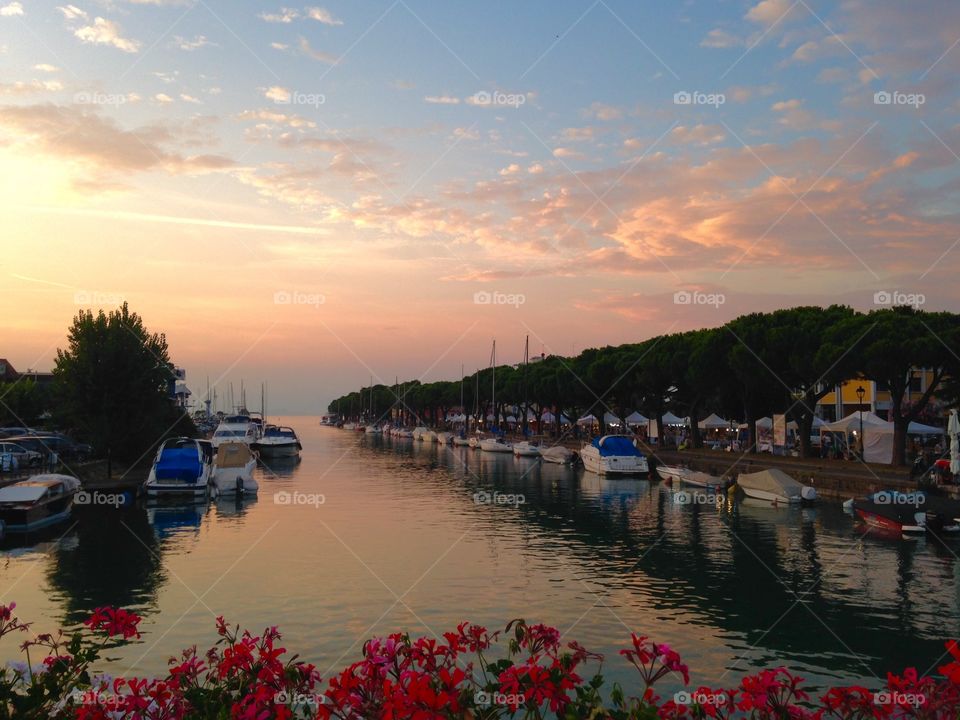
(444, 438)
(232, 472)
(38, 502)
(373, 430)
(526, 449)
(428, 436)
(461, 440)
(672, 473)
(349, 426)
(419, 432)
(278, 441)
(235, 428)
(614, 455)
(695, 478)
(496, 445)
(558, 454)
(775, 486)
(180, 468)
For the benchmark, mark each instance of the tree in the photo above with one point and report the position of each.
(890, 344)
(22, 402)
(112, 384)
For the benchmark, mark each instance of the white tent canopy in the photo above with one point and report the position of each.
(636, 418)
(852, 422)
(670, 419)
(587, 420)
(766, 423)
(610, 419)
(713, 422)
(916, 428)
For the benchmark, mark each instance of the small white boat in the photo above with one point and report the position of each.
(495, 445)
(236, 428)
(428, 436)
(775, 486)
(349, 426)
(232, 472)
(38, 502)
(526, 449)
(180, 468)
(278, 441)
(614, 455)
(558, 454)
(444, 438)
(672, 473)
(460, 441)
(419, 432)
(373, 430)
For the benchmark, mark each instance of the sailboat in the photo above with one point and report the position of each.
(495, 444)
(372, 428)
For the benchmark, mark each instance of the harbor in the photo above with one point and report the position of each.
(503, 536)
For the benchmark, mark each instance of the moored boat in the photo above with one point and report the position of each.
(232, 472)
(278, 441)
(428, 436)
(495, 445)
(235, 428)
(775, 486)
(180, 468)
(558, 454)
(444, 438)
(526, 449)
(460, 440)
(614, 455)
(38, 502)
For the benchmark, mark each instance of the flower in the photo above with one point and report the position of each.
(113, 622)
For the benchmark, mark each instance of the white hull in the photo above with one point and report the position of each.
(525, 449)
(460, 442)
(373, 430)
(672, 472)
(157, 489)
(284, 450)
(771, 497)
(558, 455)
(495, 446)
(444, 438)
(612, 464)
(232, 481)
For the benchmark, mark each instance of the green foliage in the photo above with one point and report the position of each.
(111, 385)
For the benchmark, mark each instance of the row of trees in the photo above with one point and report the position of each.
(754, 366)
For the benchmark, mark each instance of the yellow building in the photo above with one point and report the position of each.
(844, 399)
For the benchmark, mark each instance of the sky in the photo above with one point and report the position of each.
(308, 196)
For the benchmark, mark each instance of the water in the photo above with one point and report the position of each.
(400, 543)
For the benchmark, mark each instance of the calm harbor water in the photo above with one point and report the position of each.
(399, 542)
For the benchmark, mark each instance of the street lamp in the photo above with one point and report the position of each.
(860, 394)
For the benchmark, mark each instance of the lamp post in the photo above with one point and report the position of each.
(860, 394)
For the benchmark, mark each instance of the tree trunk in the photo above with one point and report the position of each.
(695, 436)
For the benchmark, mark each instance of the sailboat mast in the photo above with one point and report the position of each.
(526, 404)
(493, 381)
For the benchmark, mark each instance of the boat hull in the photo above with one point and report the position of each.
(35, 517)
(771, 496)
(284, 450)
(614, 464)
(492, 446)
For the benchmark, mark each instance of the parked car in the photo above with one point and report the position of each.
(24, 457)
(30, 442)
(6, 432)
(63, 445)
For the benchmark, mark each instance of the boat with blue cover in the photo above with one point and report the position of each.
(614, 455)
(181, 468)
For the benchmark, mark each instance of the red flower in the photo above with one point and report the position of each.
(114, 621)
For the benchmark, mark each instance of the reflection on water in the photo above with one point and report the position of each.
(408, 538)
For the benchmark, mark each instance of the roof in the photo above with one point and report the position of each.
(36, 487)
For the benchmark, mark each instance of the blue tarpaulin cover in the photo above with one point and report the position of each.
(179, 464)
(616, 445)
